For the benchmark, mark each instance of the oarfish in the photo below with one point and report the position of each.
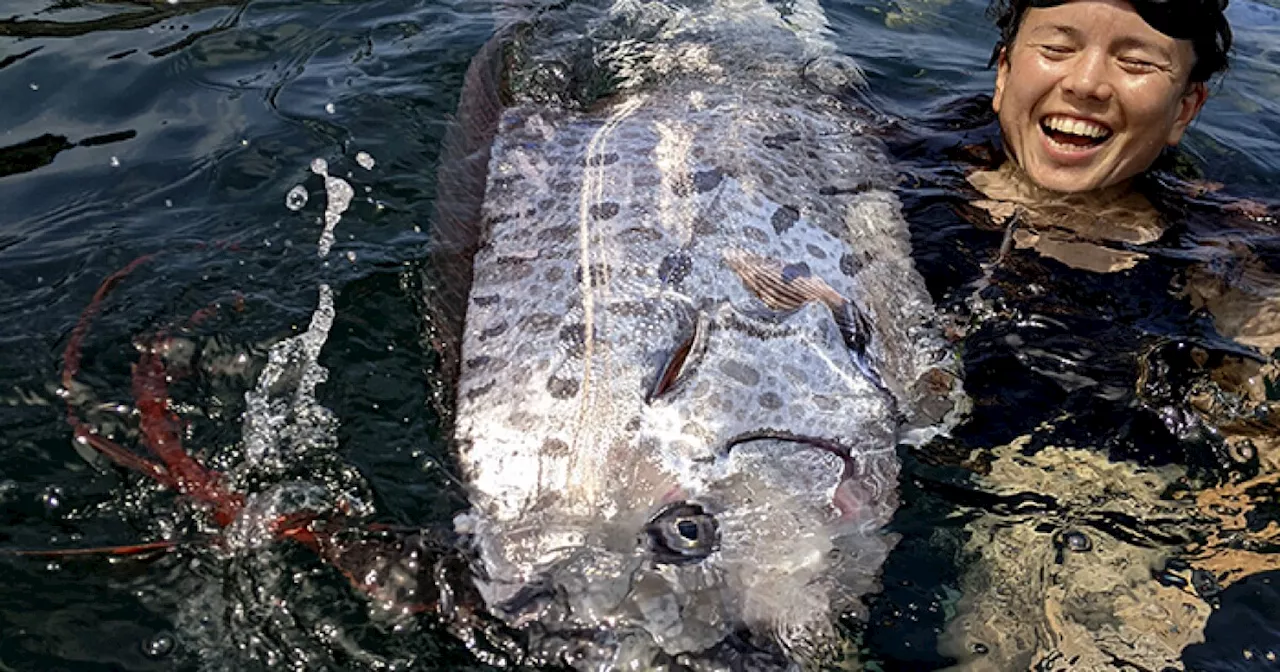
(694, 336)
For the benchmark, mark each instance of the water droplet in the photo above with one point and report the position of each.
(159, 645)
(168, 203)
(34, 86)
(351, 256)
(115, 162)
(319, 166)
(330, 108)
(365, 160)
(51, 497)
(296, 198)
(1077, 541)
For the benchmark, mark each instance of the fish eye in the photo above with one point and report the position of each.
(681, 533)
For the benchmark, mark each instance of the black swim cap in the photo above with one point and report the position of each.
(1203, 22)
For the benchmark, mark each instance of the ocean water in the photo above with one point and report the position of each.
(1112, 503)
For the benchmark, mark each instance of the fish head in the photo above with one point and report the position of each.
(768, 469)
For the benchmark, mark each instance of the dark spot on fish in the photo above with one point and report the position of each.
(554, 274)
(641, 234)
(506, 270)
(495, 330)
(706, 180)
(604, 211)
(506, 180)
(546, 204)
(522, 421)
(599, 272)
(750, 328)
(645, 179)
(855, 188)
(633, 425)
(648, 444)
(477, 362)
(795, 375)
(684, 447)
(477, 392)
(573, 335)
(784, 218)
(767, 178)
(555, 448)
(674, 268)
(697, 431)
(557, 234)
(540, 322)
(825, 403)
(781, 140)
(770, 401)
(755, 235)
(564, 187)
(792, 272)
(630, 309)
(740, 372)
(498, 218)
(530, 213)
(562, 388)
(704, 226)
(483, 301)
(815, 251)
(848, 264)
(602, 159)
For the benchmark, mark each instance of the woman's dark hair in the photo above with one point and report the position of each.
(1204, 22)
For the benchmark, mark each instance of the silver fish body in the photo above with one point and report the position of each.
(693, 339)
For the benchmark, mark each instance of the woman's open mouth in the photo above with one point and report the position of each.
(1069, 134)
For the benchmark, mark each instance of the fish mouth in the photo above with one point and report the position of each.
(848, 498)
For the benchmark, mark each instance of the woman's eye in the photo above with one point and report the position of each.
(1138, 65)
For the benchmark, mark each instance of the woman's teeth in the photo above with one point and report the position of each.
(1074, 132)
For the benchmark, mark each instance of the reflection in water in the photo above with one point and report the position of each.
(39, 152)
(135, 16)
(1082, 231)
(1082, 561)
(1068, 584)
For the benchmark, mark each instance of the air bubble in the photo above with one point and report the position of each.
(159, 645)
(365, 160)
(51, 497)
(320, 166)
(330, 108)
(1077, 541)
(297, 196)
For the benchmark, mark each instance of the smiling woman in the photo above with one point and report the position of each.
(1089, 92)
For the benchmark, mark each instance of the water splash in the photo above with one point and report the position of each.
(282, 415)
(339, 194)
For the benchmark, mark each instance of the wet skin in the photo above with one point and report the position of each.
(1088, 94)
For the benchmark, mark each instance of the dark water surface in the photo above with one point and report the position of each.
(1106, 444)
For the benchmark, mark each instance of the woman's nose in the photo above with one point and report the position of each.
(1088, 77)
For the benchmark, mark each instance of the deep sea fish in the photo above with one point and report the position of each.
(693, 338)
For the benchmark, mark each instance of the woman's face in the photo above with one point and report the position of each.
(1088, 94)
